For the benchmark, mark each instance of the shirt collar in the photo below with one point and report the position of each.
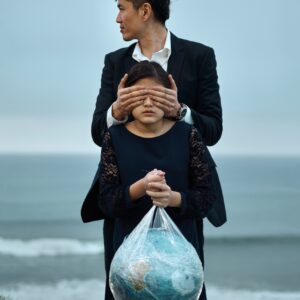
(165, 51)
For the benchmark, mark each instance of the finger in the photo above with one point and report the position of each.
(167, 108)
(132, 106)
(157, 194)
(162, 89)
(127, 93)
(152, 193)
(172, 82)
(157, 185)
(163, 98)
(131, 103)
(152, 189)
(123, 81)
(162, 92)
(157, 176)
(166, 103)
(159, 172)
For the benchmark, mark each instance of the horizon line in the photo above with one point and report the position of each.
(90, 153)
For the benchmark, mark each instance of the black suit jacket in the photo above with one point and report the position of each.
(193, 67)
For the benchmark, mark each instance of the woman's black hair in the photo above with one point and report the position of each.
(147, 69)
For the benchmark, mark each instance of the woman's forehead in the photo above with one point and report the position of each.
(148, 81)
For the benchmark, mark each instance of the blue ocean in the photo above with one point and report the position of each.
(46, 252)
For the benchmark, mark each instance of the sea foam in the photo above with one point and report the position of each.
(94, 290)
(48, 247)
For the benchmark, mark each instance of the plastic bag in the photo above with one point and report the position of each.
(156, 262)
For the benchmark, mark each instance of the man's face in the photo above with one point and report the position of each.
(129, 19)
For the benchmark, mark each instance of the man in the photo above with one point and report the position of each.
(193, 98)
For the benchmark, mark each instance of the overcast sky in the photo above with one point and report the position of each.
(51, 58)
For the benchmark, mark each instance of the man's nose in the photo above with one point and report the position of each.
(118, 18)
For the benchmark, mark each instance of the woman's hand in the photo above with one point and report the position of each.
(153, 176)
(159, 191)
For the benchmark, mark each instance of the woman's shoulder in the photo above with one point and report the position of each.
(190, 131)
(184, 127)
(115, 129)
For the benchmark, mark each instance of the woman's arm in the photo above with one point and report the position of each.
(201, 193)
(115, 199)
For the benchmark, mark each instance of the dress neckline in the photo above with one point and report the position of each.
(152, 138)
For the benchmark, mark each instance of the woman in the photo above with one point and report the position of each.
(153, 160)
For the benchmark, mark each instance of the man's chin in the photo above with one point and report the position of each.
(127, 38)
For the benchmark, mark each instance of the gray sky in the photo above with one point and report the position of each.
(51, 58)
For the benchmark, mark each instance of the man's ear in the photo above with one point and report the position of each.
(145, 11)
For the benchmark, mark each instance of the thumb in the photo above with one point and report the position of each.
(123, 81)
(172, 82)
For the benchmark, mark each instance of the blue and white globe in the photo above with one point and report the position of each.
(164, 267)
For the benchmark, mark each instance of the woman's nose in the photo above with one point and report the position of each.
(148, 101)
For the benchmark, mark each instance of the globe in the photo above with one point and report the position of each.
(162, 266)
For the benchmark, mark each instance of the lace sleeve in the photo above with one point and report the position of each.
(201, 193)
(111, 192)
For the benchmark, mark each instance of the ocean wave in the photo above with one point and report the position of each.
(241, 239)
(78, 290)
(49, 247)
(64, 246)
(64, 290)
(215, 293)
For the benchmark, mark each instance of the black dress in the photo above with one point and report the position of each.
(126, 158)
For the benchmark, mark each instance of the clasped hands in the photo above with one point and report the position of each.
(158, 190)
(133, 96)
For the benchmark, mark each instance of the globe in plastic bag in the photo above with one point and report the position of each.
(156, 262)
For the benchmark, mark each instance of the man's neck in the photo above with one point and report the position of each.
(153, 40)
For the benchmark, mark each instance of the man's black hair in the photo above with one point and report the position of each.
(161, 8)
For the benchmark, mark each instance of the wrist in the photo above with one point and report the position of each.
(145, 182)
(180, 112)
(117, 113)
(175, 199)
(137, 189)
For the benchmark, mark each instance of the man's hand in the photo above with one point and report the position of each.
(166, 99)
(128, 99)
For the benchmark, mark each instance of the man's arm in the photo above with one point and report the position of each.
(105, 99)
(207, 114)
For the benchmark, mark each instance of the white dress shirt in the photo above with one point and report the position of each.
(161, 57)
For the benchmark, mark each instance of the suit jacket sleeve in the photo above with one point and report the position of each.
(207, 113)
(105, 99)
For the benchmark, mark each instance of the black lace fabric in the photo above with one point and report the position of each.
(201, 192)
(111, 192)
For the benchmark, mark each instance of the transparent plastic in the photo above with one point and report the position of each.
(156, 262)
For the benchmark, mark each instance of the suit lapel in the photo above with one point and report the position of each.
(176, 59)
(129, 61)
